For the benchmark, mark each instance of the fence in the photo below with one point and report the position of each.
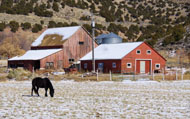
(168, 75)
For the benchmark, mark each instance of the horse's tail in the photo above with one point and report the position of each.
(33, 86)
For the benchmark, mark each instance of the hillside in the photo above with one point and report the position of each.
(162, 23)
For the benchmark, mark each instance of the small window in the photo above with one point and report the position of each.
(85, 65)
(138, 51)
(157, 66)
(148, 52)
(49, 65)
(129, 65)
(113, 65)
(71, 60)
(100, 65)
(81, 42)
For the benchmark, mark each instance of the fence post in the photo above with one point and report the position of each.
(153, 74)
(176, 75)
(110, 76)
(97, 75)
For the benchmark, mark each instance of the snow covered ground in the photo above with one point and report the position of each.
(102, 100)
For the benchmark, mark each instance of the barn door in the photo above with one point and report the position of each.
(142, 66)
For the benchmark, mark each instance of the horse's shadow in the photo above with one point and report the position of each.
(30, 96)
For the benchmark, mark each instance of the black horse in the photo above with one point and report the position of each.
(39, 82)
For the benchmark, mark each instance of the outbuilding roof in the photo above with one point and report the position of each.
(112, 51)
(35, 54)
(66, 32)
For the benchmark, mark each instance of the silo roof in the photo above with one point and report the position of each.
(110, 35)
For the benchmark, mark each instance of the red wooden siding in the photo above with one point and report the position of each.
(73, 50)
(150, 61)
(134, 58)
(55, 58)
(107, 65)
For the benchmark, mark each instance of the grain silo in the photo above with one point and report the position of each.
(110, 38)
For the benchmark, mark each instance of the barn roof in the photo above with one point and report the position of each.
(35, 54)
(66, 32)
(112, 51)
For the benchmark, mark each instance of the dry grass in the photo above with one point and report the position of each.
(176, 61)
(3, 63)
(19, 74)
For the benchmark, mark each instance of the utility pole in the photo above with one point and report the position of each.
(93, 39)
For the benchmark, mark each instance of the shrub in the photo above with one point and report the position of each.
(52, 24)
(74, 24)
(55, 7)
(168, 40)
(63, 5)
(14, 26)
(88, 27)
(36, 28)
(41, 11)
(42, 22)
(26, 25)
(2, 26)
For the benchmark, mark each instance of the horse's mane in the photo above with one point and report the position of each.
(49, 83)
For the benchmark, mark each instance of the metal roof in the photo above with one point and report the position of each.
(35, 54)
(66, 32)
(112, 51)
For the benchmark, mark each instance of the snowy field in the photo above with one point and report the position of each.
(97, 100)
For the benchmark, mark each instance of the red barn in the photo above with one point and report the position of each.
(55, 48)
(136, 57)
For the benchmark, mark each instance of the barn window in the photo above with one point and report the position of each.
(81, 42)
(138, 52)
(49, 65)
(71, 60)
(129, 65)
(85, 65)
(157, 66)
(148, 52)
(113, 65)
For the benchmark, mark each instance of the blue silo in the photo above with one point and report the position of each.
(110, 38)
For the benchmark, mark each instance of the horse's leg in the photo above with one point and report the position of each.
(37, 91)
(32, 91)
(46, 92)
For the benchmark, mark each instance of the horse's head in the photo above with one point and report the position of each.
(52, 92)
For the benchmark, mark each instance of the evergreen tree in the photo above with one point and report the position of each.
(14, 26)
(55, 7)
(26, 25)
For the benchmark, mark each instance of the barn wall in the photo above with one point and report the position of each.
(27, 64)
(107, 65)
(73, 50)
(132, 57)
(55, 58)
